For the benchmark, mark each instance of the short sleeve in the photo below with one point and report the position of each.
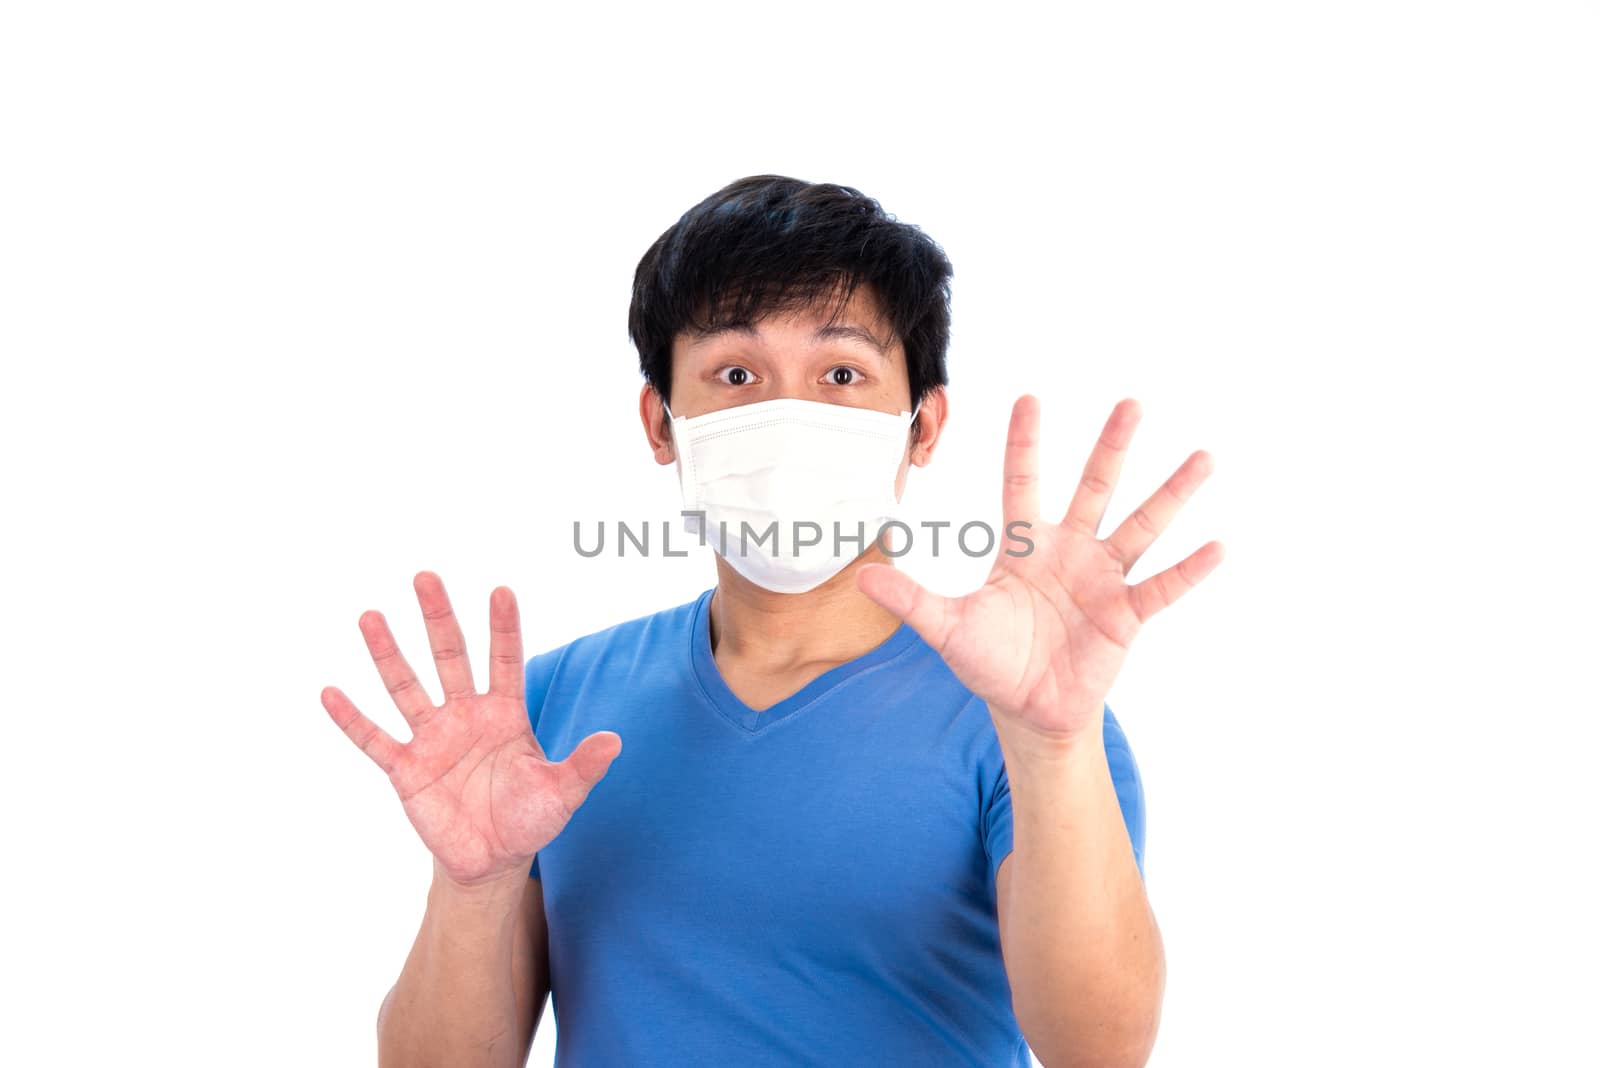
(997, 824)
(1130, 788)
(535, 686)
(1124, 776)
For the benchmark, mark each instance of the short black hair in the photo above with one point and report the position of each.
(768, 244)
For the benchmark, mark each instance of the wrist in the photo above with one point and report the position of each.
(488, 891)
(471, 922)
(1023, 743)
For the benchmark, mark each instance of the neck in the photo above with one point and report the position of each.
(777, 632)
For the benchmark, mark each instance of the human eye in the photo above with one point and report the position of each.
(842, 375)
(734, 375)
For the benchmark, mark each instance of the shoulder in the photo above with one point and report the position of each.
(938, 687)
(621, 643)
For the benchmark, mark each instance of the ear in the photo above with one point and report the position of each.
(656, 425)
(929, 425)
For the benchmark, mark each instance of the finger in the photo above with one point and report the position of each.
(370, 738)
(1135, 533)
(505, 644)
(444, 636)
(1100, 473)
(1158, 591)
(587, 765)
(930, 614)
(1019, 496)
(398, 678)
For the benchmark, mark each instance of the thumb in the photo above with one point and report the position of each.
(929, 613)
(587, 765)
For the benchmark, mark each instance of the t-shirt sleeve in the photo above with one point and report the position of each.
(997, 824)
(1124, 776)
(1130, 788)
(536, 685)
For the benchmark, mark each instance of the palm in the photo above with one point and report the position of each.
(473, 779)
(1044, 637)
(475, 785)
(1045, 631)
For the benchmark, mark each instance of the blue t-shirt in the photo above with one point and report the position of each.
(810, 884)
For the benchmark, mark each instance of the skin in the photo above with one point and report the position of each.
(768, 645)
(1040, 642)
(484, 799)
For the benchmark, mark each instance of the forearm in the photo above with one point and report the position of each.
(459, 999)
(1081, 946)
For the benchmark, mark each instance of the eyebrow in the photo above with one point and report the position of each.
(843, 331)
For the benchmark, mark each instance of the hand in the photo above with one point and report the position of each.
(1043, 638)
(473, 779)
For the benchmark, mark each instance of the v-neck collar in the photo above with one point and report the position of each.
(735, 711)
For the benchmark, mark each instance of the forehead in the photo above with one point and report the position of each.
(861, 319)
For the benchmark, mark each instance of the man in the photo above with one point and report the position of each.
(855, 822)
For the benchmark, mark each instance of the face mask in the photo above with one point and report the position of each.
(791, 490)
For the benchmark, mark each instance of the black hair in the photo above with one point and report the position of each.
(767, 245)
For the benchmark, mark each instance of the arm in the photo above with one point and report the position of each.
(474, 986)
(1081, 946)
(1041, 643)
(484, 799)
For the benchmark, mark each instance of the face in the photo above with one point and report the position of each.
(853, 360)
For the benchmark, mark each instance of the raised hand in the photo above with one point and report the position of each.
(473, 779)
(1042, 640)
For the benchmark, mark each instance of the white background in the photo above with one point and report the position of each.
(298, 299)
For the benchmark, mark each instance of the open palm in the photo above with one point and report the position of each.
(473, 779)
(1043, 639)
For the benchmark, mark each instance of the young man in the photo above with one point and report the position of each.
(855, 822)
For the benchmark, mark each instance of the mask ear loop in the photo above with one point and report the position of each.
(670, 420)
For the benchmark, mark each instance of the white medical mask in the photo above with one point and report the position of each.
(798, 488)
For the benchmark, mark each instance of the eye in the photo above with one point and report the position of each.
(842, 376)
(735, 376)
